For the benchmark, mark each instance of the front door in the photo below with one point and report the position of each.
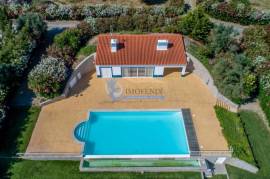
(106, 72)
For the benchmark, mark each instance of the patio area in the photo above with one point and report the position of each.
(53, 132)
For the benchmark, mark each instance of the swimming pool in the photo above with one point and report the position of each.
(133, 134)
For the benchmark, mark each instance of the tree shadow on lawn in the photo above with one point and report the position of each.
(13, 136)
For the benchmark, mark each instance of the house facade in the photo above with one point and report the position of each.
(143, 55)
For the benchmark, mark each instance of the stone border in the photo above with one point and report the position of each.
(206, 77)
(81, 69)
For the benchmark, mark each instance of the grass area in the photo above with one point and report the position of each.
(86, 50)
(196, 51)
(265, 103)
(259, 139)
(233, 131)
(219, 177)
(69, 169)
(15, 133)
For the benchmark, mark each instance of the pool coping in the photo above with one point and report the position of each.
(162, 156)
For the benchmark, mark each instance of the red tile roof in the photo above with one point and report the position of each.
(140, 50)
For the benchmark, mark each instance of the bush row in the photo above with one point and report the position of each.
(52, 11)
(239, 13)
(17, 42)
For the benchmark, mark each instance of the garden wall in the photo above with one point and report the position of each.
(86, 66)
(205, 76)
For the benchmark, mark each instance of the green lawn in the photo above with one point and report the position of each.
(233, 131)
(259, 139)
(70, 170)
(197, 51)
(15, 133)
(265, 103)
(86, 50)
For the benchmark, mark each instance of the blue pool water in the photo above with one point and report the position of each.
(133, 133)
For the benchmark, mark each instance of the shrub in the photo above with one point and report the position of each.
(229, 73)
(66, 45)
(70, 38)
(34, 24)
(250, 84)
(62, 12)
(265, 82)
(196, 24)
(47, 77)
(221, 39)
(236, 11)
(255, 42)
(87, 50)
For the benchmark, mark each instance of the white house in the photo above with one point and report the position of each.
(144, 55)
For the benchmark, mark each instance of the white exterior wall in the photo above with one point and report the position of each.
(158, 71)
(97, 70)
(116, 71)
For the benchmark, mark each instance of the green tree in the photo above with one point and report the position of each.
(33, 23)
(221, 39)
(250, 84)
(196, 23)
(229, 74)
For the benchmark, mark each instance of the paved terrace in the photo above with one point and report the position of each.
(53, 132)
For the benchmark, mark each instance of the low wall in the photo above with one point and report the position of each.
(206, 77)
(84, 67)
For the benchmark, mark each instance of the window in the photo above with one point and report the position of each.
(141, 71)
(137, 71)
(149, 71)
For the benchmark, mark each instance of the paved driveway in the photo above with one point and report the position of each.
(54, 129)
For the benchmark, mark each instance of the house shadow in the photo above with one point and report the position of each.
(81, 85)
(191, 133)
(190, 68)
(169, 71)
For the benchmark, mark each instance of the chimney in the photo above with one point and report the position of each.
(162, 44)
(113, 45)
